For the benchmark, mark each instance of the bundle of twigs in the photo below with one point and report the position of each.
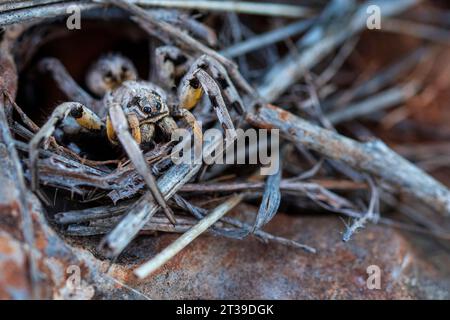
(319, 166)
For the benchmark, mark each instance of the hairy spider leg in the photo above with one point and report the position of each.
(190, 91)
(170, 63)
(133, 122)
(84, 117)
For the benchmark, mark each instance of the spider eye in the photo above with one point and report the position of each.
(108, 75)
(158, 105)
(147, 109)
(124, 69)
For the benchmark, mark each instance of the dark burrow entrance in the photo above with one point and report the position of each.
(38, 93)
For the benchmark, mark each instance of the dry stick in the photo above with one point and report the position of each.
(85, 215)
(41, 12)
(32, 11)
(435, 163)
(417, 30)
(423, 151)
(132, 149)
(247, 228)
(428, 229)
(165, 30)
(26, 120)
(285, 185)
(156, 223)
(380, 101)
(319, 195)
(315, 187)
(373, 157)
(170, 251)
(22, 146)
(291, 69)
(27, 219)
(14, 5)
(73, 218)
(266, 39)
(266, 9)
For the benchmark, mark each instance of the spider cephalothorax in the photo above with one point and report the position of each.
(145, 99)
(145, 106)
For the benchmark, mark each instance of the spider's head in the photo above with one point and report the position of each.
(109, 72)
(149, 106)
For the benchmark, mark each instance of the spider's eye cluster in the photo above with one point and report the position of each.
(108, 75)
(150, 105)
(147, 109)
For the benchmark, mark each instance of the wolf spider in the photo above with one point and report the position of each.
(128, 109)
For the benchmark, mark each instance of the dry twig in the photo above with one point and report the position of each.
(169, 252)
(373, 157)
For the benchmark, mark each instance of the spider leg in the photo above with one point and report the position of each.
(133, 122)
(147, 132)
(85, 118)
(170, 63)
(194, 85)
(120, 125)
(169, 126)
(189, 95)
(190, 91)
(65, 82)
(219, 73)
(190, 120)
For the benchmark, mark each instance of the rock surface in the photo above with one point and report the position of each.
(219, 268)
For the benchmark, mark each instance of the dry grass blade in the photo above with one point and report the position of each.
(262, 40)
(169, 252)
(270, 201)
(290, 69)
(37, 13)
